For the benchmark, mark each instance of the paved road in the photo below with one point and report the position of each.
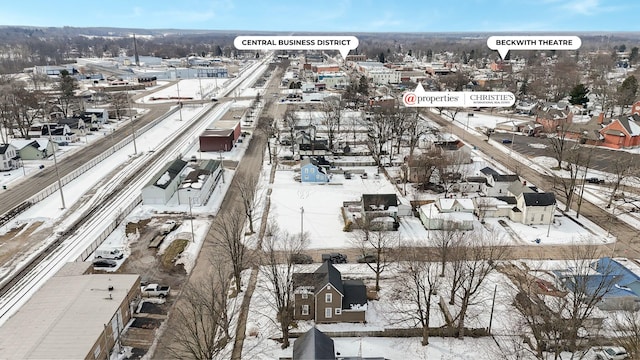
(601, 159)
(628, 239)
(249, 166)
(18, 193)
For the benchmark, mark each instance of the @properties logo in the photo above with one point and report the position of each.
(409, 98)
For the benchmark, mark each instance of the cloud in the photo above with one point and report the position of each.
(584, 7)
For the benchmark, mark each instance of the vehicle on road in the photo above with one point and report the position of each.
(347, 175)
(506, 141)
(114, 254)
(155, 290)
(367, 258)
(335, 258)
(214, 99)
(102, 263)
(595, 180)
(301, 258)
(610, 353)
(364, 175)
(168, 226)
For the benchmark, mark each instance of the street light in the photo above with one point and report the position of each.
(55, 164)
(179, 99)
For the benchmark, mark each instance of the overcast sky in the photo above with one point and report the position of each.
(327, 15)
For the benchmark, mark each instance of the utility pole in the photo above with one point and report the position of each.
(55, 164)
(493, 303)
(193, 236)
(179, 99)
(301, 222)
(221, 166)
(133, 128)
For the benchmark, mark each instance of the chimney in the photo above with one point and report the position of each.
(524, 182)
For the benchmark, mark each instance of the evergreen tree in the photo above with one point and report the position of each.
(363, 87)
(578, 95)
(381, 57)
(627, 91)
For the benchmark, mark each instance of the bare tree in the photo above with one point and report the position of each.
(416, 127)
(558, 144)
(290, 121)
(268, 127)
(247, 189)
(229, 235)
(554, 320)
(575, 158)
(279, 247)
(423, 167)
(331, 119)
(372, 241)
(477, 258)
(446, 239)
(419, 282)
(378, 134)
(623, 166)
(627, 330)
(203, 318)
(120, 102)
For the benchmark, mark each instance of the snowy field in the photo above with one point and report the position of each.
(186, 88)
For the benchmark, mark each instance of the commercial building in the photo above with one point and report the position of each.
(72, 316)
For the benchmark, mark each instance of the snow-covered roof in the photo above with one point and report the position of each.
(448, 204)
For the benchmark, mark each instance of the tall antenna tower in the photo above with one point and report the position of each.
(135, 50)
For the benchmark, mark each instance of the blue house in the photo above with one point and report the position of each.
(618, 286)
(310, 171)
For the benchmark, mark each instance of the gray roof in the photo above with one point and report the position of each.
(488, 171)
(355, 293)
(314, 345)
(511, 200)
(331, 275)
(3, 148)
(505, 178)
(539, 199)
(518, 188)
(173, 169)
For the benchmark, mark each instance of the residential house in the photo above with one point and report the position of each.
(314, 345)
(470, 184)
(59, 133)
(552, 118)
(380, 211)
(618, 286)
(623, 132)
(448, 214)
(8, 156)
(163, 184)
(325, 297)
(536, 208)
(75, 124)
(34, 149)
(311, 171)
(586, 132)
(497, 184)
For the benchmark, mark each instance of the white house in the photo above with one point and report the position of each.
(497, 184)
(163, 184)
(451, 213)
(8, 155)
(536, 208)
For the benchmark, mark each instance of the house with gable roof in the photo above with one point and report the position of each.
(311, 171)
(623, 132)
(448, 213)
(8, 157)
(325, 297)
(616, 285)
(34, 149)
(497, 184)
(314, 344)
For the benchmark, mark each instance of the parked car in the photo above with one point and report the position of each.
(364, 175)
(155, 290)
(595, 180)
(109, 253)
(611, 353)
(506, 141)
(102, 263)
(214, 99)
(168, 226)
(301, 259)
(367, 258)
(335, 258)
(347, 175)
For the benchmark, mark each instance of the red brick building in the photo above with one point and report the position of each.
(221, 137)
(623, 132)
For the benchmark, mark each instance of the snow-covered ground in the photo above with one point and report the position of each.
(186, 88)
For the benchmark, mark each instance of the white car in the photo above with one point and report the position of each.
(611, 353)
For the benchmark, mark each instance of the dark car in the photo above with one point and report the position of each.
(214, 99)
(335, 258)
(347, 175)
(301, 259)
(101, 263)
(368, 258)
(506, 141)
(594, 180)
